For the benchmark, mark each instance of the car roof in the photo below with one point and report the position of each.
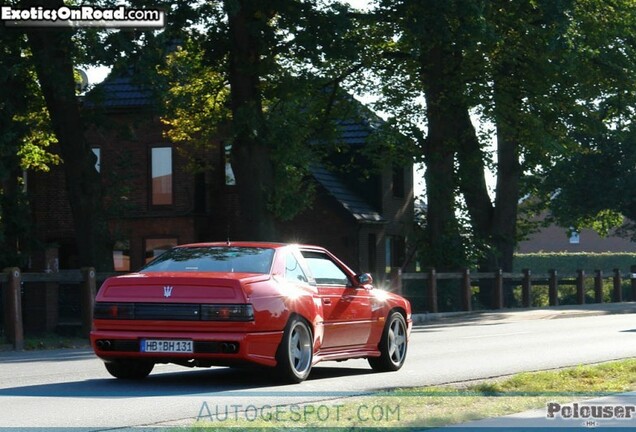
(259, 244)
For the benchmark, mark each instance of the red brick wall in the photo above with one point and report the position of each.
(50, 210)
(556, 239)
(125, 144)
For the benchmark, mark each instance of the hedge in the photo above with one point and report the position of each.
(568, 262)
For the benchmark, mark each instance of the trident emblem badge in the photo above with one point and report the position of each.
(167, 291)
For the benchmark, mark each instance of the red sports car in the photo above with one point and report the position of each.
(277, 305)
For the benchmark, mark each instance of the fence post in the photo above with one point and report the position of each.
(87, 296)
(580, 287)
(598, 286)
(431, 291)
(526, 286)
(618, 292)
(553, 290)
(466, 293)
(498, 287)
(632, 276)
(13, 308)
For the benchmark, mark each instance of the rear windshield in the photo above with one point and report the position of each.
(225, 259)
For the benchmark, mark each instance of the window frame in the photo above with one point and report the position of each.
(299, 263)
(97, 151)
(151, 189)
(122, 246)
(327, 257)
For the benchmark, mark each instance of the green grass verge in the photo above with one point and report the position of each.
(416, 408)
(54, 341)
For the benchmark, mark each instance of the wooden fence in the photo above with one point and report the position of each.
(525, 279)
(12, 281)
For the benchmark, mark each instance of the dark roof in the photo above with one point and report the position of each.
(354, 204)
(362, 123)
(354, 132)
(119, 92)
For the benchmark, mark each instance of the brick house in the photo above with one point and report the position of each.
(156, 201)
(558, 239)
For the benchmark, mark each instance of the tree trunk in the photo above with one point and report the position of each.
(52, 55)
(446, 250)
(495, 226)
(250, 153)
(472, 176)
(504, 229)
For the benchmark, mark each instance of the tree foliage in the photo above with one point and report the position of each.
(267, 87)
(538, 75)
(591, 185)
(540, 93)
(25, 140)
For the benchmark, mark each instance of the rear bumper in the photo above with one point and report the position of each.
(209, 348)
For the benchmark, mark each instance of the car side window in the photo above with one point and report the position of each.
(324, 270)
(293, 270)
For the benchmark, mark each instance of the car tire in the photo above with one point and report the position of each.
(295, 353)
(393, 345)
(129, 369)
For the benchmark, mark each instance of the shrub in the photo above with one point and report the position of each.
(569, 263)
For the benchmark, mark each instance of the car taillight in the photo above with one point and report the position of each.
(227, 312)
(173, 311)
(114, 310)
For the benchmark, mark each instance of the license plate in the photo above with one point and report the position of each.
(166, 346)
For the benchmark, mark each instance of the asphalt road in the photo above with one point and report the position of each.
(71, 388)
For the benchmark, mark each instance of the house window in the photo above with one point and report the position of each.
(161, 171)
(98, 154)
(575, 237)
(398, 182)
(121, 256)
(230, 179)
(157, 246)
(395, 252)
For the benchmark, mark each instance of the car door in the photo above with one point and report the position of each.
(347, 310)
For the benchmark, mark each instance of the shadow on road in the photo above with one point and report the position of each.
(211, 382)
(56, 356)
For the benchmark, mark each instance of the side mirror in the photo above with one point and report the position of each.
(364, 280)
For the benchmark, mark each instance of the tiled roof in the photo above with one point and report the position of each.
(353, 203)
(356, 128)
(119, 92)
(354, 132)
